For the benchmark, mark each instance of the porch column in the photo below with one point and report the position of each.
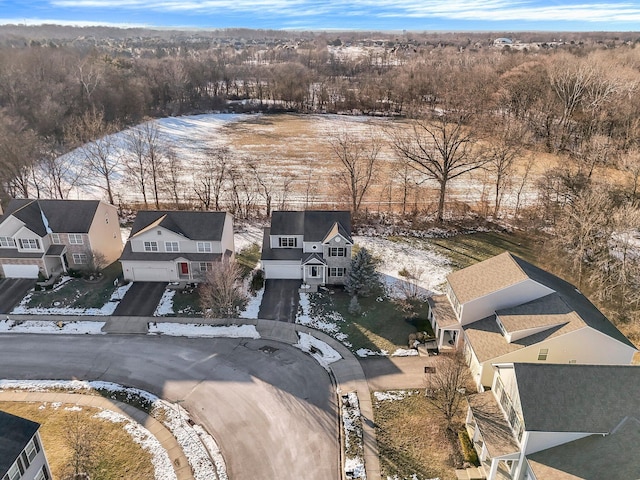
(494, 469)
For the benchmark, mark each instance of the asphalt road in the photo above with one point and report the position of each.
(271, 408)
(141, 299)
(12, 291)
(280, 300)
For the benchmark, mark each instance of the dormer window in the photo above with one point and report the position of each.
(204, 247)
(288, 242)
(29, 243)
(150, 246)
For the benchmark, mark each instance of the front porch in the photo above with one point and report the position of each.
(446, 327)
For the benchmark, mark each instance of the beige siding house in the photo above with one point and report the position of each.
(557, 422)
(176, 246)
(313, 246)
(506, 310)
(50, 236)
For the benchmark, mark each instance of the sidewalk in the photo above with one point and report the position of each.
(164, 436)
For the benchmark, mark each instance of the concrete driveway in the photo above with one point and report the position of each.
(12, 291)
(141, 299)
(280, 300)
(271, 408)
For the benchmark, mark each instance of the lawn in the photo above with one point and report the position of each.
(411, 439)
(248, 258)
(119, 456)
(382, 325)
(78, 292)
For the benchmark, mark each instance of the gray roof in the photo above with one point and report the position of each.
(594, 457)
(193, 225)
(269, 253)
(127, 254)
(314, 225)
(493, 425)
(577, 398)
(63, 216)
(15, 433)
(14, 253)
(546, 311)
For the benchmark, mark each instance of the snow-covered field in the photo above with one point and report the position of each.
(198, 446)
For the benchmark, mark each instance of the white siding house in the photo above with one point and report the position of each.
(21, 452)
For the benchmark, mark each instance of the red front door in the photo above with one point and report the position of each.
(184, 268)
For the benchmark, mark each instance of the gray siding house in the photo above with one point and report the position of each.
(312, 245)
(21, 453)
(176, 246)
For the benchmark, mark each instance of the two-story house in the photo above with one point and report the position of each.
(558, 422)
(506, 310)
(176, 246)
(313, 246)
(21, 453)
(50, 236)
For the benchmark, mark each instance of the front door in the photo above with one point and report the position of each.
(184, 269)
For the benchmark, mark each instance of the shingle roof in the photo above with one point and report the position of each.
(127, 254)
(486, 277)
(190, 224)
(593, 457)
(577, 398)
(548, 311)
(269, 253)
(495, 430)
(15, 433)
(63, 216)
(487, 340)
(442, 310)
(314, 225)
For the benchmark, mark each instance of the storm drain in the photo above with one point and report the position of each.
(268, 349)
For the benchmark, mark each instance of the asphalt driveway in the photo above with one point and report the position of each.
(141, 299)
(12, 290)
(280, 300)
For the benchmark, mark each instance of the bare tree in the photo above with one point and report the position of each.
(630, 163)
(85, 444)
(446, 387)
(441, 150)
(172, 181)
(358, 158)
(223, 295)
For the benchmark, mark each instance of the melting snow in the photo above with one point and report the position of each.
(204, 331)
(165, 307)
(253, 306)
(65, 328)
(391, 395)
(323, 353)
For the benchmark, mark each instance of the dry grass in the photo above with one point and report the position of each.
(122, 458)
(412, 439)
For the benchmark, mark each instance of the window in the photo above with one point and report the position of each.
(542, 354)
(572, 362)
(204, 247)
(55, 238)
(171, 246)
(29, 243)
(150, 246)
(31, 451)
(337, 272)
(80, 258)
(337, 252)
(7, 242)
(14, 472)
(43, 474)
(288, 242)
(75, 239)
(206, 266)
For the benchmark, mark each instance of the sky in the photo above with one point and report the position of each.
(381, 15)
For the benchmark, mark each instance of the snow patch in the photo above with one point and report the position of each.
(165, 306)
(365, 352)
(404, 352)
(194, 330)
(353, 439)
(253, 306)
(393, 395)
(49, 327)
(323, 353)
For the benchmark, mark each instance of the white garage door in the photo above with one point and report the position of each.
(20, 271)
(150, 274)
(282, 271)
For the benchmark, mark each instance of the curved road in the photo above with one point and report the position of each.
(271, 408)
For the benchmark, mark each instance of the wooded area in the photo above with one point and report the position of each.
(469, 106)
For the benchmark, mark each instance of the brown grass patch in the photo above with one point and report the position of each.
(412, 439)
(122, 458)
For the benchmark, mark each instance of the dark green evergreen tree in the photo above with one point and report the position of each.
(362, 279)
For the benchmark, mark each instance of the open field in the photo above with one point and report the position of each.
(119, 457)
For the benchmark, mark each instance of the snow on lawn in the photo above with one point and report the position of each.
(353, 440)
(163, 469)
(33, 326)
(203, 331)
(165, 307)
(405, 253)
(393, 395)
(253, 306)
(246, 235)
(174, 417)
(400, 352)
(327, 323)
(323, 353)
(107, 309)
